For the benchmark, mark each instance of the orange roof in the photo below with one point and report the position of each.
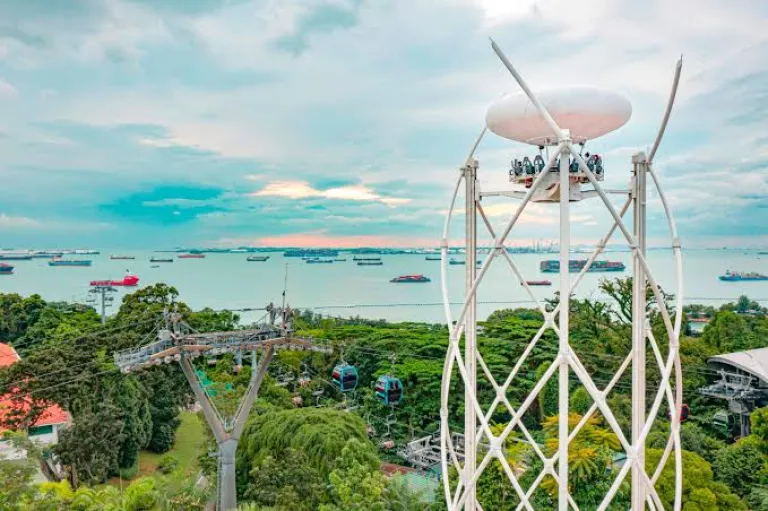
(52, 414)
(391, 469)
(8, 355)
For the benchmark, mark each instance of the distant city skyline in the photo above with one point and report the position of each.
(341, 123)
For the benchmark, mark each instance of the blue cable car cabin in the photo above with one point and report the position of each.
(345, 377)
(389, 390)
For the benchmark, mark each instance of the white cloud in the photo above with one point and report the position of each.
(6, 89)
(18, 222)
(303, 190)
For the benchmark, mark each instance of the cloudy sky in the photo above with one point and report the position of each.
(157, 123)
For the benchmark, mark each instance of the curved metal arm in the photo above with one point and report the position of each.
(543, 111)
(474, 147)
(668, 111)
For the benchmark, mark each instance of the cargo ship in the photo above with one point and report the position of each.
(122, 257)
(46, 255)
(319, 261)
(456, 262)
(739, 276)
(6, 269)
(257, 259)
(129, 280)
(538, 282)
(356, 258)
(410, 278)
(320, 252)
(192, 256)
(576, 265)
(370, 263)
(432, 258)
(160, 260)
(69, 262)
(15, 256)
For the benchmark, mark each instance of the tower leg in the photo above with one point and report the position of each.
(470, 333)
(103, 306)
(227, 481)
(639, 492)
(564, 347)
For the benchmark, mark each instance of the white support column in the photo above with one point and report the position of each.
(564, 348)
(639, 492)
(470, 332)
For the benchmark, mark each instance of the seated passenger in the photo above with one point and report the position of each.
(591, 163)
(518, 167)
(538, 163)
(574, 165)
(598, 164)
(528, 166)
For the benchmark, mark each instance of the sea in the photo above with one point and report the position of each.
(227, 281)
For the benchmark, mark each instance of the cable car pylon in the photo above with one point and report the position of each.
(176, 343)
(557, 176)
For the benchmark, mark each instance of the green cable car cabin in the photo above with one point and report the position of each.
(345, 377)
(389, 390)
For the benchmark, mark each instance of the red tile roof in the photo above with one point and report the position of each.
(53, 414)
(8, 355)
(391, 469)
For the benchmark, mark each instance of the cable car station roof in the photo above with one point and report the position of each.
(752, 362)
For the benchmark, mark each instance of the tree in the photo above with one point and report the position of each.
(17, 476)
(759, 422)
(693, 439)
(728, 332)
(91, 445)
(167, 391)
(700, 491)
(286, 483)
(321, 434)
(130, 396)
(356, 483)
(740, 466)
(548, 397)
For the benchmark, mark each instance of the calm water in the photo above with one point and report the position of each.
(228, 281)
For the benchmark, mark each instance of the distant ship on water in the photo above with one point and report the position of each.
(6, 269)
(576, 265)
(15, 257)
(69, 262)
(738, 276)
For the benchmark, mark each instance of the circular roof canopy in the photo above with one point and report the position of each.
(588, 112)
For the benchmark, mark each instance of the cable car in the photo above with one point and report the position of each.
(389, 390)
(685, 413)
(345, 377)
(723, 421)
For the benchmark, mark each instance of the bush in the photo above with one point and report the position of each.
(162, 438)
(130, 472)
(168, 464)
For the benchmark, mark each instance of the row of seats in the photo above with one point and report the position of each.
(531, 168)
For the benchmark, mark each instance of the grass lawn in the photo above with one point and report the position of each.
(189, 444)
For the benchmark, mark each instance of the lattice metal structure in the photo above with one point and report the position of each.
(177, 344)
(560, 182)
(104, 294)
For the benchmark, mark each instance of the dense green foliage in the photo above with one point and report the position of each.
(310, 447)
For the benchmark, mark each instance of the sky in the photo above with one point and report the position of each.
(164, 123)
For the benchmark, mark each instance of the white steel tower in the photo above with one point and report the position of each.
(560, 120)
